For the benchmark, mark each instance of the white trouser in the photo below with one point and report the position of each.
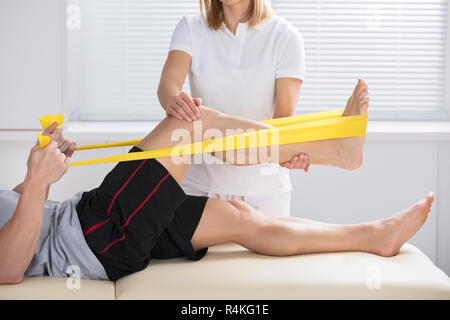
(277, 205)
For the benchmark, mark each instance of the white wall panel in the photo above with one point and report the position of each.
(30, 61)
(443, 203)
(13, 163)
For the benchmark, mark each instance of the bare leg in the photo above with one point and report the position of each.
(343, 153)
(235, 221)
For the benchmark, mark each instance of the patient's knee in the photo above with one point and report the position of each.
(208, 119)
(248, 217)
(241, 206)
(208, 115)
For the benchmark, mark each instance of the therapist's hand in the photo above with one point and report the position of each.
(299, 161)
(184, 107)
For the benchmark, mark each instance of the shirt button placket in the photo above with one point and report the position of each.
(241, 32)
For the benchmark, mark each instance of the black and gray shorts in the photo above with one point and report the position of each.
(139, 212)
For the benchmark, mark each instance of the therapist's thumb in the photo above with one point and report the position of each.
(198, 101)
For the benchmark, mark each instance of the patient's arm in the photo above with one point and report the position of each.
(64, 145)
(20, 235)
(20, 187)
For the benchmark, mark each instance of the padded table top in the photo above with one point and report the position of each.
(53, 288)
(232, 272)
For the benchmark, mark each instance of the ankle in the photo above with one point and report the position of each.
(343, 154)
(383, 241)
(371, 234)
(348, 153)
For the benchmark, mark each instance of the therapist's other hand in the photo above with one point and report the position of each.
(298, 161)
(184, 107)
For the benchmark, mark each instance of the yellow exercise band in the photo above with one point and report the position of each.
(46, 121)
(295, 129)
(273, 122)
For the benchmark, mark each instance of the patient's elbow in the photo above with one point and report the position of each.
(11, 278)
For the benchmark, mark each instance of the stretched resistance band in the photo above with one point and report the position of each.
(301, 128)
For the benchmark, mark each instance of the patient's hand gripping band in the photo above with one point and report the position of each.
(301, 128)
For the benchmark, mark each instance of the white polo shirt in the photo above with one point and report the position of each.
(236, 74)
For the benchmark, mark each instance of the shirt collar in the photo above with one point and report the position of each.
(260, 26)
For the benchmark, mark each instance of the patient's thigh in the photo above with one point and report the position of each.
(221, 222)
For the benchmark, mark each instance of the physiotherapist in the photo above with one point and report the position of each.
(245, 61)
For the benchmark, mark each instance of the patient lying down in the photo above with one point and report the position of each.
(140, 212)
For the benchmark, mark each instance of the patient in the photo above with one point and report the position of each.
(140, 212)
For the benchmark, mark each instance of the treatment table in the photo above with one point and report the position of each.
(232, 272)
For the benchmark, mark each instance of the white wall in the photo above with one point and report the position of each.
(30, 61)
(396, 172)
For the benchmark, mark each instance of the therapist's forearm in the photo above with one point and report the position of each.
(20, 235)
(168, 88)
(282, 111)
(287, 91)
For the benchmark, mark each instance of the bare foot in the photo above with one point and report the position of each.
(358, 103)
(352, 148)
(393, 232)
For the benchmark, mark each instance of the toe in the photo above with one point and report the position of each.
(363, 94)
(430, 197)
(365, 106)
(358, 86)
(364, 89)
(362, 82)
